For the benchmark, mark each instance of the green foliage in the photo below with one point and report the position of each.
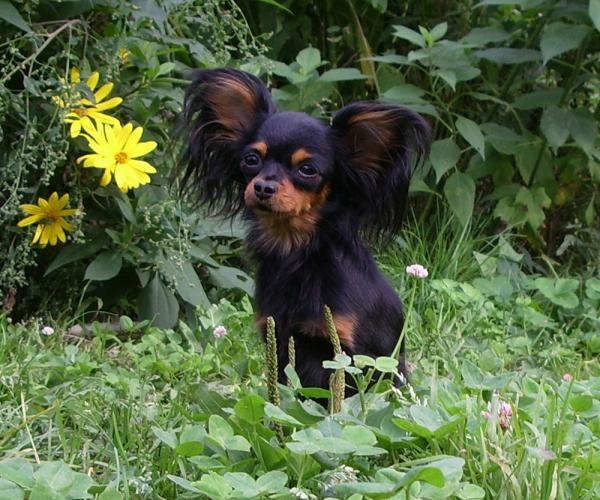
(146, 251)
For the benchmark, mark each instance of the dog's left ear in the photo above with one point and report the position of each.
(378, 145)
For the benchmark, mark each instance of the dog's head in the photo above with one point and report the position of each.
(285, 167)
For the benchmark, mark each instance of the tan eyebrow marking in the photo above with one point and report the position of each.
(299, 156)
(261, 147)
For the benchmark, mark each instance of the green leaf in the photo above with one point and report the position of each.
(444, 155)
(250, 408)
(309, 59)
(439, 31)
(539, 99)
(342, 74)
(12, 16)
(533, 201)
(409, 35)
(358, 434)
(168, 437)
(483, 36)
(231, 277)
(184, 483)
(594, 12)
(57, 475)
(404, 94)
(503, 139)
(73, 253)
(509, 56)
(157, 303)
(559, 38)
(17, 470)
(553, 126)
(470, 491)
(472, 375)
(213, 486)
(460, 194)
(472, 134)
(385, 364)
(42, 491)
(559, 291)
(10, 490)
(177, 269)
(104, 267)
(584, 129)
(272, 482)
(278, 415)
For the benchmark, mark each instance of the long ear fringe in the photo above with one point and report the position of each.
(209, 165)
(378, 193)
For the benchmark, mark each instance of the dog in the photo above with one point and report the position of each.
(311, 192)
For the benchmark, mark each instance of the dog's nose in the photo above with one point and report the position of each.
(264, 190)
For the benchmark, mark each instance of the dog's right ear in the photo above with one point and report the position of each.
(222, 109)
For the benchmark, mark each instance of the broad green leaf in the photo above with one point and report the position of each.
(472, 375)
(219, 428)
(57, 475)
(584, 129)
(184, 483)
(17, 470)
(409, 35)
(278, 415)
(472, 134)
(81, 485)
(358, 434)
(534, 201)
(385, 364)
(183, 275)
(168, 437)
(594, 12)
(554, 125)
(539, 99)
(157, 302)
(42, 491)
(10, 490)
(104, 267)
(503, 139)
(12, 16)
(250, 408)
(231, 277)
(527, 156)
(342, 74)
(460, 194)
(243, 484)
(509, 56)
(559, 291)
(561, 37)
(213, 486)
(309, 59)
(444, 155)
(483, 36)
(404, 94)
(592, 289)
(439, 31)
(272, 482)
(470, 491)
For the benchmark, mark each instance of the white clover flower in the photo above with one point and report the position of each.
(417, 271)
(47, 330)
(219, 332)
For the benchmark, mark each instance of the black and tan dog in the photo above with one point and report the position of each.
(309, 191)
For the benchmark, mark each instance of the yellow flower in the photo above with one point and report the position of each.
(124, 55)
(49, 216)
(116, 150)
(82, 109)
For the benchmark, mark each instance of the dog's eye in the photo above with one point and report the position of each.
(307, 170)
(251, 160)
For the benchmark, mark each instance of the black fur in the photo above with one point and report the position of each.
(308, 191)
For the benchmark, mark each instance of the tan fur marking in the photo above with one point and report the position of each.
(344, 325)
(300, 156)
(372, 131)
(261, 147)
(234, 104)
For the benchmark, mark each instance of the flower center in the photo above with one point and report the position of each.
(80, 111)
(121, 157)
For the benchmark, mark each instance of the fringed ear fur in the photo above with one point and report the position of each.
(222, 108)
(378, 144)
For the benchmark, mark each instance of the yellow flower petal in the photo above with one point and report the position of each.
(75, 76)
(93, 80)
(106, 177)
(38, 233)
(32, 219)
(31, 209)
(141, 149)
(103, 91)
(75, 129)
(142, 166)
(111, 103)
